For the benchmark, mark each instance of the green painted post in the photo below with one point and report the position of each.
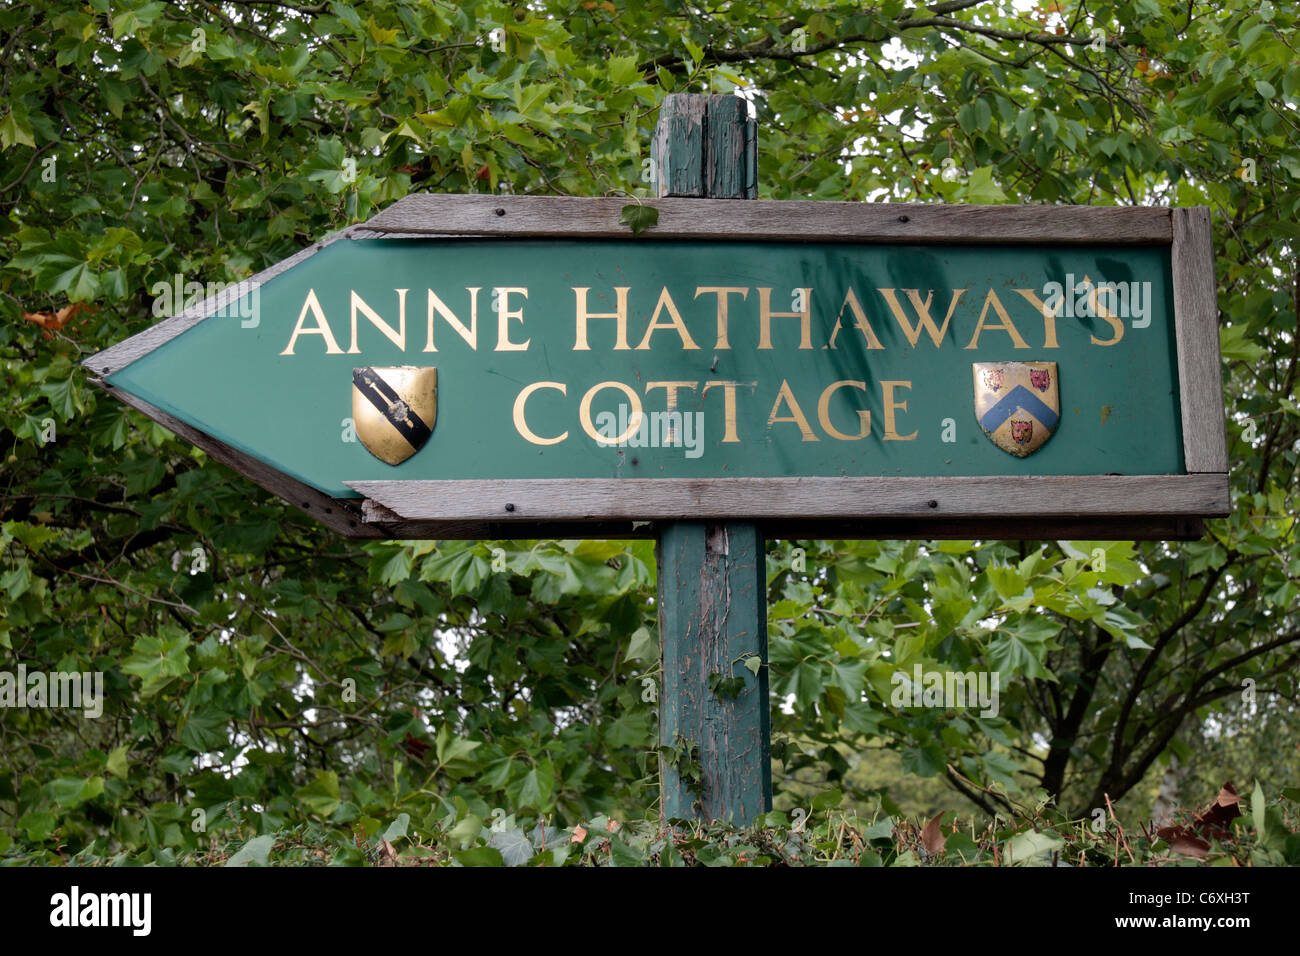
(713, 709)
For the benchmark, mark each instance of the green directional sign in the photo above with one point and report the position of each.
(429, 374)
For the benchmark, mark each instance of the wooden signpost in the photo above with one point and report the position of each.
(519, 367)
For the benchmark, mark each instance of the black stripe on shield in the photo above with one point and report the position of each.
(399, 414)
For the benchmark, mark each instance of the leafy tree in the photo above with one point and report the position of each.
(262, 675)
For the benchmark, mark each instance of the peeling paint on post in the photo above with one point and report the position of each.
(712, 576)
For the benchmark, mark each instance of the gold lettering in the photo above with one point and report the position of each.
(1005, 324)
(633, 417)
(824, 412)
(582, 315)
(728, 406)
(312, 305)
(859, 320)
(521, 425)
(397, 337)
(437, 306)
(766, 315)
(891, 405)
(1049, 317)
(722, 291)
(671, 388)
(796, 413)
(924, 321)
(666, 302)
(504, 315)
(1116, 324)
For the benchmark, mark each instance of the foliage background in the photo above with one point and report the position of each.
(214, 154)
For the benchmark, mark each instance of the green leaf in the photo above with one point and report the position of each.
(205, 731)
(157, 660)
(880, 830)
(480, 856)
(398, 827)
(639, 217)
(827, 799)
(644, 645)
(14, 132)
(321, 796)
(927, 761)
(450, 748)
(513, 845)
(1257, 814)
(1236, 347)
(623, 71)
(256, 852)
(72, 791)
(1032, 846)
(981, 188)
(117, 764)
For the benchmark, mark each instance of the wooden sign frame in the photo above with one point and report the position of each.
(1078, 507)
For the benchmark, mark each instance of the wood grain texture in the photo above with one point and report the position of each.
(712, 616)
(1196, 321)
(678, 146)
(729, 136)
(712, 583)
(773, 220)
(766, 499)
(1169, 528)
(341, 515)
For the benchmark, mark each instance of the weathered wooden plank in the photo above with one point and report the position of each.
(1146, 528)
(341, 515)
(1196, 320)
(712, 584)
(712, 618)
(773, 220)
(729, 137)
(807, 498)
(677, 148)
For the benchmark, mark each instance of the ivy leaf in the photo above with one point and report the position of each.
(480, 856)
(513, 845)
(639, 217)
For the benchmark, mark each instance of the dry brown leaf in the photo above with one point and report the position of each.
(1216, 821)
(56, 320)
(932, 837)
(1213, 823)
(1189, 845)
(579, 834)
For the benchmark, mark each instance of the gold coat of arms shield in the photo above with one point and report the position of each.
(1018, 404)
(394, 409)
